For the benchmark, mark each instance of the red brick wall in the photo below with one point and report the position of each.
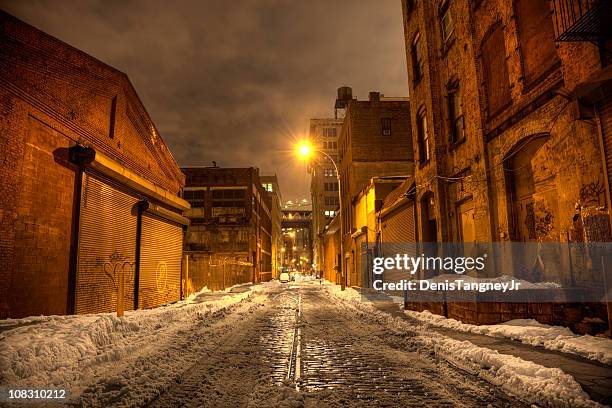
(53, 96)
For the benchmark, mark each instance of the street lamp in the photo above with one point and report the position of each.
(306, 150)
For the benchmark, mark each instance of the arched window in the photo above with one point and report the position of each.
(497, 84)
(536, 37)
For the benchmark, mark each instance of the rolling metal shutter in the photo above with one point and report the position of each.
(160, 262)
(106, 248)
(398, 230)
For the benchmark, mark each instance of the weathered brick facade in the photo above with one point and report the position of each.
(375, 141)
(231, 220)
(530, 97)
(53, 97)
(525, 164)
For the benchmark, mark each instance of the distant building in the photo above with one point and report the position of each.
(297, 236)
(375, 142)
(90, 191)
(229, 239)
(324, 182)
(270, 184)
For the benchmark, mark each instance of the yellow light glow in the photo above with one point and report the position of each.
(304, 149)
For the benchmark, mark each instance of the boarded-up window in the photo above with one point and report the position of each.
(495, 71)
(536, 37)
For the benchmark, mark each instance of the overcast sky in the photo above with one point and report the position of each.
(236, 81)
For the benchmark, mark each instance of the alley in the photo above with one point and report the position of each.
(295, 345)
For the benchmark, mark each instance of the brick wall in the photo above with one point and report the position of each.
(534, 80)
(52, 97)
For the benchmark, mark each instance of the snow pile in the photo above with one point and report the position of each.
(529, 381)
(60, 350)
(530, 332)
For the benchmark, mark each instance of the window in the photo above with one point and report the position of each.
(417, 58)
(385, 124)
(228, 198)
(267, 187)
(536, 38)
(495, 70)
(455, 113)
(409, 7)
(423, 137)
(446, 22)
(329, 172)
(330, 213)
(329, 132)
(330, 145)
(195, 197)
(331, 186)
(331, 200)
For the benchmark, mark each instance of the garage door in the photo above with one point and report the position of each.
(160, 262)
(107, 246)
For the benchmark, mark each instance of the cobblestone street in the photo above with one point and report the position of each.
(323, 354)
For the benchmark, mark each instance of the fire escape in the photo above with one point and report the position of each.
(582, 20)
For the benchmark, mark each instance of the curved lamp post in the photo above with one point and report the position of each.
(306, 150)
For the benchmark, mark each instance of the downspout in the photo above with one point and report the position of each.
(79, 156)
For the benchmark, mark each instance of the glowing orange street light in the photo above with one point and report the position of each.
(304, 149)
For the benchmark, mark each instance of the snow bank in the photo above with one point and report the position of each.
(530, 332)
(528, 381)
(58, 350)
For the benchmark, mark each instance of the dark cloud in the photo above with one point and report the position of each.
(235, 81)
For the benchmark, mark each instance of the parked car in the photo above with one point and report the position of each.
(284, 277)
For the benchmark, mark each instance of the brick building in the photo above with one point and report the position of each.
(480, 111)
(323, 183)
(270, 184)
(375, 141)
(229, 239)
(510, 122)
(89, 188)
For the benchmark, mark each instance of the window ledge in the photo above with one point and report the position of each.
(454, 145)
(423, 163)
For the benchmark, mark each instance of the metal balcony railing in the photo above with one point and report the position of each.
(582, 20)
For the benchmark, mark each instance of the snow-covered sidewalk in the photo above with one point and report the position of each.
(527, 380)
(529, 331)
